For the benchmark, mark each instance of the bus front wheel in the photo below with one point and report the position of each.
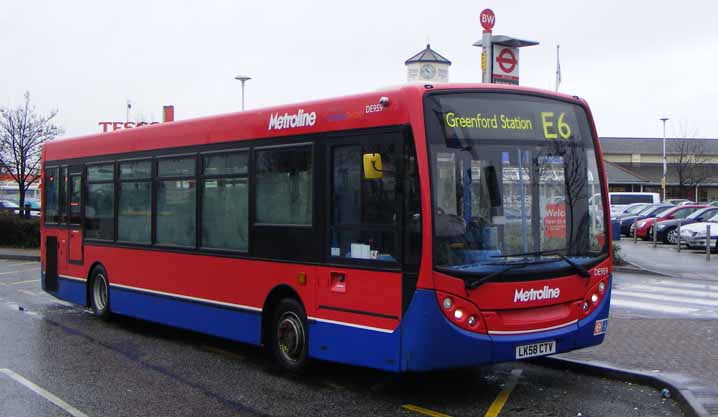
(100, 293)
(289, 336)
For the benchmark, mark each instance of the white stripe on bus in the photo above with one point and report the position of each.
(186, 297)
(72, 278)
(245, 307)
(358, 326)
(532, 330)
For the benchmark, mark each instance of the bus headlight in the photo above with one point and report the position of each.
(585, 306)
(447, 303)
(458, 314)
(594, 298)
(472, 321)
(601, 286)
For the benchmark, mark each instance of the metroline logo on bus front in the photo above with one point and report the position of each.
(546, 293)
(288, 121)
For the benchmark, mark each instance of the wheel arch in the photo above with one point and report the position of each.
(270, 303)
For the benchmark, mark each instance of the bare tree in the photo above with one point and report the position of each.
(687, 156)
(22, 132)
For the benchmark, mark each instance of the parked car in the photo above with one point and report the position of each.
(668, 229)
(694, 235)
(630, 210)
(34, 207)
(618, 200)
(644, 228)
(713, 203)
(676, 201)
(9, 206)
(650, 211)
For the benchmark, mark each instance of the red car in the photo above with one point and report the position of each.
(644, 228)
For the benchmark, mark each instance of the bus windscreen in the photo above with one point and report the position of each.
(514, 180)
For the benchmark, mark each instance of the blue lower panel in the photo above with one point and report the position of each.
(240, 325)
(69, 290)
(355, 346)
(430, 341)
(585, 336)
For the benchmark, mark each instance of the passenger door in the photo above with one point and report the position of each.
(363, 284)
(74, 215)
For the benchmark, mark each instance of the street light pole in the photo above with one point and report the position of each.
(243, 79)
(663, 180)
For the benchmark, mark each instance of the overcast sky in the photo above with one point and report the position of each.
(634, 61)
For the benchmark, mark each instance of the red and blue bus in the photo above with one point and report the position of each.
(414, 228)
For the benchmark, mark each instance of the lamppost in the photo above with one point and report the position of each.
(243, 79)
(663, 180)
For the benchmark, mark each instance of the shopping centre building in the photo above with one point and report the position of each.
(636, 164)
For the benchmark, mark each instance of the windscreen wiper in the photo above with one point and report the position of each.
(470, 285)
(582, 271)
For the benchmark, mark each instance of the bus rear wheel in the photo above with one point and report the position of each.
(100, 293)
(289, 345)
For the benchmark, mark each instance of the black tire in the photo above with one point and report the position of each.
(288, 336)
(100, 293)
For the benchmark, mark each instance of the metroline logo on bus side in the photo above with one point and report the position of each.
(289, 121)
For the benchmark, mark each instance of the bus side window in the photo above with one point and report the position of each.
(100, 206)
(52, 194)
(225, 201)
(284, 186)
(74, 198)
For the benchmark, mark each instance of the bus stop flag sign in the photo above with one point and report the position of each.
(505, 65)
(488, 19)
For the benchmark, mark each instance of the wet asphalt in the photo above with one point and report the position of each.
(127, 367)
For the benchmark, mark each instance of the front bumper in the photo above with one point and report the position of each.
(698, 241)
(431, 341)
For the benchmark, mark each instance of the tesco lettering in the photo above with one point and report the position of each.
(106, 126)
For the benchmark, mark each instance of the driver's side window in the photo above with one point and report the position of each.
(364, 212)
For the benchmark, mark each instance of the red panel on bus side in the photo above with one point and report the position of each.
(243, 283)
(75, 244)
(364, 297)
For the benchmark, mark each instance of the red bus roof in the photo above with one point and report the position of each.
(343, 113)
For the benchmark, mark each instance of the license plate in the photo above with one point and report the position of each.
(536, 349)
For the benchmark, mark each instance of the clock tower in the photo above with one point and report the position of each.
(427, 66)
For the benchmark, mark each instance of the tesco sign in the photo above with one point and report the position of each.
(112, 126)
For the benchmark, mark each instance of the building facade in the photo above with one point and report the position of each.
(636, 164)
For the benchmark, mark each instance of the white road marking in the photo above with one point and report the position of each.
(15, 272)
(672, 291)
(661, 297)
(43, 392)
(652, 307)
(24, 263)
(674, 284)
(24, 282)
